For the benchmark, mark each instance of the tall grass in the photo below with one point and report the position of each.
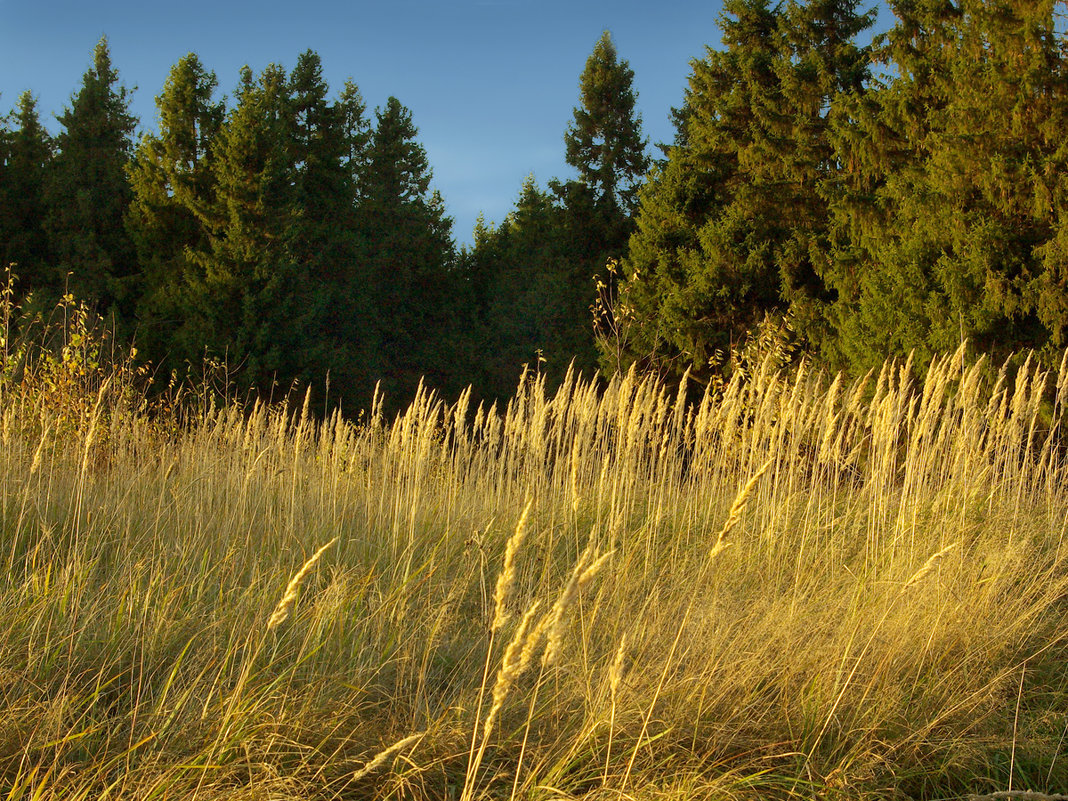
(800, 587)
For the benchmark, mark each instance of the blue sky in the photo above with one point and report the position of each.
(491, 83)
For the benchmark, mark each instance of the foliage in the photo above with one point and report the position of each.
(961, 158)
(86, 193)
(173, 185)
(734, 223)
(409, 259)
(66, 373)
(604, 141)
(533, 279)
(24, 163)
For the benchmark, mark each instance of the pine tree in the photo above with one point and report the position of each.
(355, 327)
(173, 185)
(24, 162)
(357, 132)
(87, 192)
(5, 158)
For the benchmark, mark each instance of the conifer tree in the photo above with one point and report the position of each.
(735, 223)
(523, 302)
(321, 240)
(605, 146)
(357, 133)
(87, 192)
(604, 141)
(701, 267)
(5, 158)
(353, 318)
(255, 316)
(173, 185)
(410, 254)
(25, 155)
(967, 168)
(819, 64)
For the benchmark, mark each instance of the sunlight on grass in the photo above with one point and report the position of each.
(800, 587)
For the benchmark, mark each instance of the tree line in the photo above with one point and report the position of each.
(855, 199)
(294, 236)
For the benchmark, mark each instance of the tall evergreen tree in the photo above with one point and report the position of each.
(410, 254)
(353, 316)
(24, 162)
(966, 160)
(87, 192)
(701, 269)
(256, 315)
(173, 185)
(735, 222)
(604, 141)
(819, 64)
(321, 238)
(522, 302)
(605, 146)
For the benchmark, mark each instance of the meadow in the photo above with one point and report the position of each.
(799, 587)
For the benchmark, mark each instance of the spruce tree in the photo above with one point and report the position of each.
(410, 254)
(24, 162)
(5, 158)
(173, 185)
(702, 264)
(819, 64)
(249, 275)
(604, 142)
(963, 152)
(524, 303)
(605, 146)
(735, 224)
(321, 239)
(87, 193)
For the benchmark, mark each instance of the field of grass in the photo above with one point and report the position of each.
(800, 588)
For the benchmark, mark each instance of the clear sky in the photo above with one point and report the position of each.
(491, 83)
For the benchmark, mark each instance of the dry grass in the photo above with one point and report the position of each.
(889, 620)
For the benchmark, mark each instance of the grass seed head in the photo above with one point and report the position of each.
(929, 565)
(737, 508)
(383, 755)
(512, 667)
(507, 575)
(281, 611)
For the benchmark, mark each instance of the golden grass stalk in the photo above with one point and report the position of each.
(555, 621)
(36, 463)
(615, 672)
(383, 755)
(929, 565)
(507, 575)
(615, 677)
(737, 508)
(512, 667)
(281, 611)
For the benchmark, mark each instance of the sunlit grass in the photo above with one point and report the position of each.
(802, 587)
